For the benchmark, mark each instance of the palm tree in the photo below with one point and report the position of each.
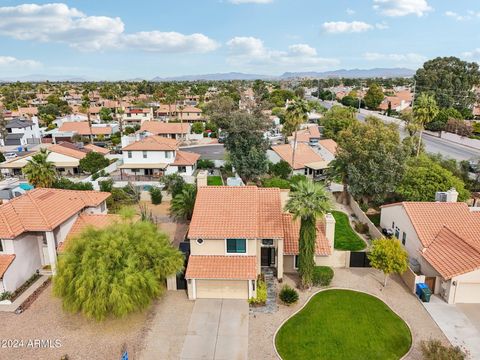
(297, 113)
(181, 207)
(308, 201)
(39, 171)
(86, 109)
(424, 111)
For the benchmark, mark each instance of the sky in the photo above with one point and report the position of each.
(126, 39)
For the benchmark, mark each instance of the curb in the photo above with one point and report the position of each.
(342, 288)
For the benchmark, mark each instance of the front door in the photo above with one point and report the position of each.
(267, 256)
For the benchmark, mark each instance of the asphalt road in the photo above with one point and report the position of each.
(208, 152)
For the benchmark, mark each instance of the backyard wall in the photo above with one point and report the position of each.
(411, 279)
(372, 229)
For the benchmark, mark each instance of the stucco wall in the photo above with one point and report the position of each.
(372, 229)
(63, 229)
(339, 259)
(153, 157)
(218, 247)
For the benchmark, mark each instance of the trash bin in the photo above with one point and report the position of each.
(420, 287)
(426, 293)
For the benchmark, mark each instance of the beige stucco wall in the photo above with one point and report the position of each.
(471, 279)
(218, 247)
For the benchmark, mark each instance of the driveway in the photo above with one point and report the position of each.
(459, 322)
(218, 330)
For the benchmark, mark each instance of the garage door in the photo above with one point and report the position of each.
(467, 293)
(222, 289)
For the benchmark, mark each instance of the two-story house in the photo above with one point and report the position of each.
(33, 226)
(136, 116)
(155, 156)
(22, 132)
(238, 230)
(177, 131)
(443, 242)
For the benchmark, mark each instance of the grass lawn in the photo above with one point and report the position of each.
(214, 180)
(344, 324)
(345, 237)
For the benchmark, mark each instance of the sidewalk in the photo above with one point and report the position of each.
(24, 296)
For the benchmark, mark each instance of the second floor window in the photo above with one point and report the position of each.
(236, 246)
(1, 245)
(129, 154)
(168, 154)
(144, 154)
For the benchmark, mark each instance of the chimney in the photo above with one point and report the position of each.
(452, 195)
(202, 178)
(330, 229)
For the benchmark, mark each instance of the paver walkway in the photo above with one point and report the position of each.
(218, 330)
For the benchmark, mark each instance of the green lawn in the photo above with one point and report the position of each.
(345, 237)
(214, 180)
(344, 325)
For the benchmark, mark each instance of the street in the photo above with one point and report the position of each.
(208, 152)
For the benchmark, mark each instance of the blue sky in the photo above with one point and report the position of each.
(123, 39)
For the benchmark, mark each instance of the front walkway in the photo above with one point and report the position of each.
(459, 322)
(218, 330)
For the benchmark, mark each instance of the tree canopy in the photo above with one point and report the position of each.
(336, 119)
(374, 96)
(115, 271)
(388, 256)
(39, 171)
(93, 162)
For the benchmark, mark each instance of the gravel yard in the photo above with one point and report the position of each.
(262, 327)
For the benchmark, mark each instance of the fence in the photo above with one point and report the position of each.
(372, 229)
(411, 279)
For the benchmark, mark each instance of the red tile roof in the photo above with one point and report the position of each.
(153, 143)
(97, 149)
(291, 229)
(185, 158)
(44, 209)
(158, 127)
(5, 262)
(306, 134)
(82, 128)
(221, 267)
(329, 144)
(67, 150)
(304, 154)
(230, 211)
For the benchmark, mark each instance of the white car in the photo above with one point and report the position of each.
(10, 155)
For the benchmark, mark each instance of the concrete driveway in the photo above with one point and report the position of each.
(459, 322)
(218, 330)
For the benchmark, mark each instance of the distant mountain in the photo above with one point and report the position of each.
(353, 73)
(215, 77)
(43, 77)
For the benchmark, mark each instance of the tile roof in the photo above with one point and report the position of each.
(221, 267)
(291, 229)
(44, 209)
(229, 212)
(304, 154)
(5, 262)
(184, 158)
(329, 144)
(158, 127)
(451, 255)
(97, 149)
(305, 135)
(98, 221)
(82, 128)
(68, 149)
(153, 143)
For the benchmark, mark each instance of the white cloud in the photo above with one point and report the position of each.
(252, 52)
(472, 55)
(459, 17)
(337, 27)
(10, 61)
(350, 11)
(402, 7)
(408, 58)
(236, 2)
(381, 26)
(59, 23)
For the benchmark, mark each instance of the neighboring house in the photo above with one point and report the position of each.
(169, 130)
(136, 116)
(327, 149)
(308, 162)
(186, 113)
(11, 188)
(22, 132)
(69, 129)
(65, 157)
(34, 225)
(310, 135)
(443, 242)
(237, 231)
(155, 156)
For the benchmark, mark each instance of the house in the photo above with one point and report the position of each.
(310, 135)
(82, 128)
(65, 157)
(327, 149)
(177, 131)
(238, 230)
(22, 132)
(136, 116)
(33, 226)
(185, 113)
(308, 162)
(155, 156)
(443, 243)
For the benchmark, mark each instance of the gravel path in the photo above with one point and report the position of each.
(262, 327)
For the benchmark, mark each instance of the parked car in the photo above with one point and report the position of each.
(222, 137)
(387, 232)
(10, 155)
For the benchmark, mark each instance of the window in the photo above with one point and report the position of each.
(168, 154)
(404, 238)
(397, 233)
(267, 242)
(295, 262)
(393, 225)
(1, 245)
(129, 154)
(103, 206)
(182, 169)
(44, 239)
(236, 246)
(144, 154)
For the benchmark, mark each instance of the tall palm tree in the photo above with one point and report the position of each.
(424, 111)
(297, 113)
(39, 171)
(308, 201)
(86, 109)
(182, 204)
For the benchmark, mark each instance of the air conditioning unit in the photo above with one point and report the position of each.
(441, 196)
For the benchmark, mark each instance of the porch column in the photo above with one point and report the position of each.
(52, 251)
(279, 259)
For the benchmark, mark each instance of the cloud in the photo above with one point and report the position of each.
(59, 23)
(408, 58)
(236, 2)
(402, 7)
(350, 11)
(474, 54)
(251, 51)
(10, 61)
(337, 27)
(471, 14)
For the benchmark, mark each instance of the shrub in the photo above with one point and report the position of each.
(276, 182)
(155, 195)
(64, 183)
(5, 296)
(281, 169)
(361, 228)
(322, 275)
(288, 295)
(106, 185)
(174, 184)
(205, 164)
(197, 128)
(99, 174)
(261, 298)
(93, 162)
(435, 350)
(295, 179)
